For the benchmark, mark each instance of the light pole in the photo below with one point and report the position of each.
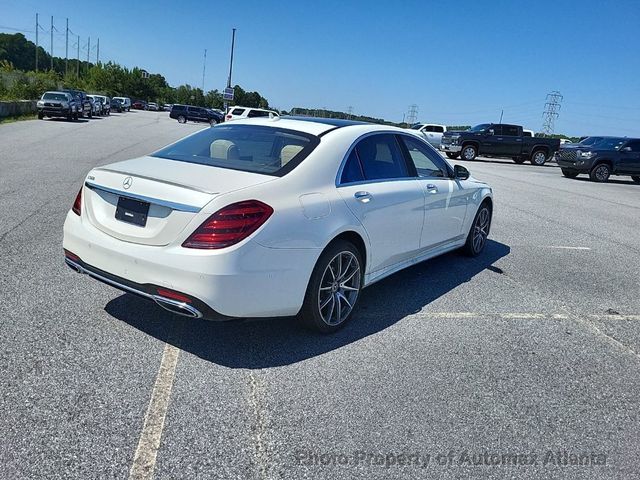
(233, 43)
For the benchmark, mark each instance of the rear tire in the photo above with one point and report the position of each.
(469, 153)
(182, 119)
(538, 157)
(452, 156)
(569, 173)
(213, 122)
(600, 173)
(334, 288)
(636, 179)
(479, 231)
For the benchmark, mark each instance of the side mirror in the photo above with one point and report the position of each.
(625, 149)
(460, 172)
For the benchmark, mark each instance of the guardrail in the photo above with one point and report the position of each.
(19, 107)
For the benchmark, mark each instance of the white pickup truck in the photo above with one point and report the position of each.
(431, 132)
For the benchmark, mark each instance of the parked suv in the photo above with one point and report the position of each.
(235, 113)
(610, 156)
(84, 104)
(57, 104)
(125, 101)
(184, 113)
(499, 140)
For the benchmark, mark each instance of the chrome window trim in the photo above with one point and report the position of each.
(156, 201)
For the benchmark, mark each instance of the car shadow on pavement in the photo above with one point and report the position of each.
(272, 342)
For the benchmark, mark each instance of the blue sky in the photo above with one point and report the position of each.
(461, 62)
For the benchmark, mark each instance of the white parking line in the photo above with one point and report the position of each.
(519, 316)
(144, 461)
(562, 247)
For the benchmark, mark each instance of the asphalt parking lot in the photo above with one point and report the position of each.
(448, 370)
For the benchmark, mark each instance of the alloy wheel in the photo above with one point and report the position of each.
(469, 153)
(481, 229)
(339, 288)
(539, 158)
(602, 173)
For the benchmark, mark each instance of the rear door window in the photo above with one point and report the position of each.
(510, 130)
(237, 111)
(381, 158)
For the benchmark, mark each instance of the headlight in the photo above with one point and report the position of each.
(586, 154)
(40, 103)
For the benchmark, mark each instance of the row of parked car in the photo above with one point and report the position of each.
(192, 113)
(74, 104)
(597, 157)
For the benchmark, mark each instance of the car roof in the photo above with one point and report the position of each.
(312, 125)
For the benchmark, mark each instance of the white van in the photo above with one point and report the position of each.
(432, 132)
(125, 101)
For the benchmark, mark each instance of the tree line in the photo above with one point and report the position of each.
(20, 81)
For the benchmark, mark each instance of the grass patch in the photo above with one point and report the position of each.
(18, 118)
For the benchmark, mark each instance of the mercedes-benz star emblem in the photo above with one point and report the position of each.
(127, 183)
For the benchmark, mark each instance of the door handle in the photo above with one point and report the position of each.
(431, 188)
(363, 197)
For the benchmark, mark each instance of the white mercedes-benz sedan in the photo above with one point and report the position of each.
(273, 217)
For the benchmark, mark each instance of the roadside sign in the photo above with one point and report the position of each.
(228, 94)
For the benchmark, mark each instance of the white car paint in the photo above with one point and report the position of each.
(432, 132)
(403, 222)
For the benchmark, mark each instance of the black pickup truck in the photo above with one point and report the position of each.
(499, 140)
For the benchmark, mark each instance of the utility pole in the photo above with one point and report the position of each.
(78, 59)
(98, 53)
(204, 67)
(51, 52)
(551, 112)
(233, 43)
(37, 28)
(66, 50)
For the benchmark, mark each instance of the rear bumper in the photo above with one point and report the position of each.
(246, 280)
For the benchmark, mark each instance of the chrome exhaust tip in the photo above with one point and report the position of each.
(179, 308)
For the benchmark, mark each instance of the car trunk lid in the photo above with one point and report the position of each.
(151, 200)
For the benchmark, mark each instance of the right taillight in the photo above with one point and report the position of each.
(229, 225)
(77, 204)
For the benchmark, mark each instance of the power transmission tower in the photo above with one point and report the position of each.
(551, 112)
(98, 53)
(349, 112)
(88, 50)
(412, 114)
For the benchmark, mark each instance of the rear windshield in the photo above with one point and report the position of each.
(249, 148)
(54, 96)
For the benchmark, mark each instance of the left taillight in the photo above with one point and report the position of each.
(229, 225)
(77, 204)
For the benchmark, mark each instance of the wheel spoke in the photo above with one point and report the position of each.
(356, 270)
(339, 307)
(344, 271)
(347, 287)
(342, 297)
(326, 302)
